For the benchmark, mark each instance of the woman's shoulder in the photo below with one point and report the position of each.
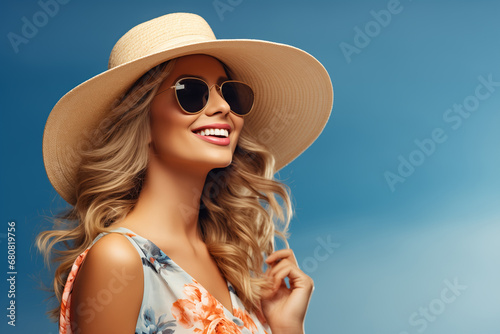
(108, 289)
(114, 249)
(112, 252)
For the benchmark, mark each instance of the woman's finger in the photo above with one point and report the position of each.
(297, 278)
(278, 266)
(281, 254)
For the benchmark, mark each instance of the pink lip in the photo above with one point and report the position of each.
(213, 139)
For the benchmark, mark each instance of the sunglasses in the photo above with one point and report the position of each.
(192, 94)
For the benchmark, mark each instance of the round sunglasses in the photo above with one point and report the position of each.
(192, 94)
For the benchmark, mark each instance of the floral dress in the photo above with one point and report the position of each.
(173, 301)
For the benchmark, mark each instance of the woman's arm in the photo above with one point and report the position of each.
(285, 308)
(108, 290)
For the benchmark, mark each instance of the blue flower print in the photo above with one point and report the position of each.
(156, 327)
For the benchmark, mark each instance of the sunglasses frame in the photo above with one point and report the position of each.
(219, 91)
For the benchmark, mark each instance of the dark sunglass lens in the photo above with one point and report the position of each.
(239, 96)
(192, 94)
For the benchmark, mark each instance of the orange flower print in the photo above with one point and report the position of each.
(64, 321)
(202, 312)
(246, 318)
(222, 326)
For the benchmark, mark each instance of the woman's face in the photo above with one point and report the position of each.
(175, 135)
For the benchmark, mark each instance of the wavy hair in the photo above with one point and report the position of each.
(240, 212)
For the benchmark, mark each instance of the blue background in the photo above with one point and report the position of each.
(394, 250)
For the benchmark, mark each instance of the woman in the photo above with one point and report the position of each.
(168, 160)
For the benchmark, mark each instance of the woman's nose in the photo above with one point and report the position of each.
(216, 102)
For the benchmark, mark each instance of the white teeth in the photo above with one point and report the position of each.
(213, 132)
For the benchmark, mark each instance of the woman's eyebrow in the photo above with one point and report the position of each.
(222, 79)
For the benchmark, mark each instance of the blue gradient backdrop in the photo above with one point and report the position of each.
(422, 257)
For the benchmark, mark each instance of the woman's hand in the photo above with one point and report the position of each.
(285, 308)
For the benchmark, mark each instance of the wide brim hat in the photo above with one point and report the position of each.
(293, 91)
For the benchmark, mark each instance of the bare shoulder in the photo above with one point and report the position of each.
(107, 292)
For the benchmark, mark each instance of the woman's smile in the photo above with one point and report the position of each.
(216, 133)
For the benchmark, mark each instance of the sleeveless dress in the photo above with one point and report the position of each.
(173, 301)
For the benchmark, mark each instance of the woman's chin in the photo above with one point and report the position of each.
(221, 163)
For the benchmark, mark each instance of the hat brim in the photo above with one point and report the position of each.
(294, 98)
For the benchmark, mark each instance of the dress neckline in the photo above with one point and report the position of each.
(230, 288)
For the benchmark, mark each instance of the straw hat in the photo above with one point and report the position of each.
(294, 95)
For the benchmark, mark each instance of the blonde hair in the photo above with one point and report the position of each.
(239, 212)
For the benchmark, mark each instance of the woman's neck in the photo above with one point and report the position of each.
(169, 202)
